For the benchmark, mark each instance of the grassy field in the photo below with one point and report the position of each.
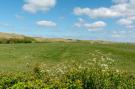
(67, 65)
(16, 57)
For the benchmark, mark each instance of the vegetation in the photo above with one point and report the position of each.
(14, 57)
(66, 64)
(91, 74)
(16, 40)
(6, 38)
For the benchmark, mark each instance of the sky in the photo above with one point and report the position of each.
(111, 20)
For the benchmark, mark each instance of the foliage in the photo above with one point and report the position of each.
(91, 74)
(57, 65)
(17, 40)
(14, 57)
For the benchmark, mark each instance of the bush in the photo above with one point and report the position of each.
(17, 40)
(92, 74)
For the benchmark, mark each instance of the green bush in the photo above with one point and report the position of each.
(92, 74)
(17, 40)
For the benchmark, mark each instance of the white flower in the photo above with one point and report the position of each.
(117, 71)
(94, 59)
(104, 66)
(102, 58)
(103, 70)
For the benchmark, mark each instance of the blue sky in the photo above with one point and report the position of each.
(111, 20)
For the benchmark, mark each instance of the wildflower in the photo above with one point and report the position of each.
(42, 71)
(103, 70)
(94, 59)
(27, 64)
(80, 67)
(102, 58)
(93, 54)
(47, 70)
(104, 66)
(60, 70)
(117, 71)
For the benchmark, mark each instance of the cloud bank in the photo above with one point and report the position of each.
(123, 10)
(34, 6)
(89, 26)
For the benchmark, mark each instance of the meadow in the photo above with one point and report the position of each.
(14, 57)
(67, 65)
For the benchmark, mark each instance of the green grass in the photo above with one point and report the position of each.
(67, 65)
(89, 74)
(15, 57)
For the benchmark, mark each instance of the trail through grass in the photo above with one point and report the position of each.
(15, 57)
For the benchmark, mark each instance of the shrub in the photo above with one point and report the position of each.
(92, 74)
(17, 40)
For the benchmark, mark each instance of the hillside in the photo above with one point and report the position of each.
(65, 63)
(17, 38)
(7, 38)
(10, 35)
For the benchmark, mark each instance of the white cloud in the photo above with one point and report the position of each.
(120, 1)
(34, 6)
(131, 18)
(95, 13)
(45, 23)
(122, 33)
(125, 22)
(130, 26)
(122, 9)
(89, 26)
(95, 25)
(118, 35)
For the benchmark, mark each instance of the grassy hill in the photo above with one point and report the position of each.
(10, 35)
(66, 64)
(16, 56)
(15, 38)
(6, 38)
